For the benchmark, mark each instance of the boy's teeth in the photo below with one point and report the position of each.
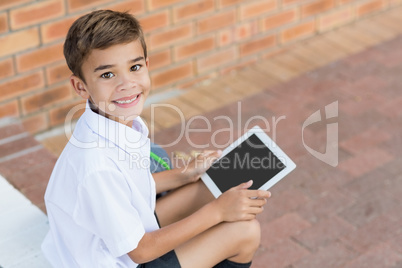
(127, 101)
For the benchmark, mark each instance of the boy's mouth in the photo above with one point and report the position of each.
(127, 100)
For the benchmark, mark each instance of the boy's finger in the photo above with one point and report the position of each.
(258, 202)
(259, 193)
(211, 152)
(244, 185)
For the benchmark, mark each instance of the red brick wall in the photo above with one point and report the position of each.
(188, 41)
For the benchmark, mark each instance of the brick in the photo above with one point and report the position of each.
(238, 33)
(225, 3)
(201, 100)
(36, 123)
(298, 32)
(290, 2)
(36, 13)
(19, 41)
(194, 48)
(20, 85)
(256, 9)
(282, 228)
(11, 129)
(226, 37)
(15, 146)
(57, 73)
(185, 107)
(160, 59)
(197, 80)
(246, 30)
(257, 45)
(369, 206)
(5, 4)
(335, 19)
(6, 68)
(316, 7)
(134, 7)
(3, 23)
(380, 230)
(216, 59)
(382, 255)
(170, 36)
(215, 22)
(193, 10)
(365, 162)
(395, 2)
(369, 138)
(396, 243)
(238, 66)
(370, 7)
(40, 57)
(279, 19)
(56, 30)
(172, 75)
(333, 255)
(34, 177)
(281, 254)
(74, 5)
(36, 192)
(45, 99)
(56, 143)
(155, 21)
(324, 232)
(155, 4)
(58, 115)
(18, 170)
(274, 52)
(9, 109)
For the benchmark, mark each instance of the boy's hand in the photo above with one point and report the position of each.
(197, 166)
(239, 203)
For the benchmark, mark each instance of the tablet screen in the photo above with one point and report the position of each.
(250, 160)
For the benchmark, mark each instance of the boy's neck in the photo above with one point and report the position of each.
(96, 110)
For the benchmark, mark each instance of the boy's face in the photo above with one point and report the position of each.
(117, 81)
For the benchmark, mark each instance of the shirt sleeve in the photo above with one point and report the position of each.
(104, 208)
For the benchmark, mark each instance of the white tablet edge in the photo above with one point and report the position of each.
(290, 165)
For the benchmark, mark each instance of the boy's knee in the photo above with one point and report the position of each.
(254, 232)
(249, 233)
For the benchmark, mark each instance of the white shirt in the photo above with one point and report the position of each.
(100, 198)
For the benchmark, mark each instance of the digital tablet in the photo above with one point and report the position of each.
(254, 156)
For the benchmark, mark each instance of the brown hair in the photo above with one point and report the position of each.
(99, 30)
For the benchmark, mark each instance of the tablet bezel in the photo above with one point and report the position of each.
(270, 144)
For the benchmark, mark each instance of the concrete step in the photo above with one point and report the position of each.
(23, 227)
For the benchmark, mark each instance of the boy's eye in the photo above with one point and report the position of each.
(136, 67)
(107, 75)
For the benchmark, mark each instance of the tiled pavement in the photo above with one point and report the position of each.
(319, 215)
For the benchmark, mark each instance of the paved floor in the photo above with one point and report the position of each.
(320, 215)
(347, 215)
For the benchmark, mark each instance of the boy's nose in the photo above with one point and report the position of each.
(126, 82)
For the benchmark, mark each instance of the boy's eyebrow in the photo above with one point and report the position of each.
(107, 66)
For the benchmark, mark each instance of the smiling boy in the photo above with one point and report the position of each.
(101, 198)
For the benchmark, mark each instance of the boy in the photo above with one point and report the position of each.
(101, 195)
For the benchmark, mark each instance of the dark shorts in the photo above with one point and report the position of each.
(169, 260)
(166, 261)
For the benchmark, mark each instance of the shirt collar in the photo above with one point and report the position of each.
(131, 140)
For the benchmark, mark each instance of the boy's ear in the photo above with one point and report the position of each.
(79, 86)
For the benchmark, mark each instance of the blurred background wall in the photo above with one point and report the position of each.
(188, 42)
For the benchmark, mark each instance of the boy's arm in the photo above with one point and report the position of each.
(191, 172)
(170, 179)
(234, 205)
